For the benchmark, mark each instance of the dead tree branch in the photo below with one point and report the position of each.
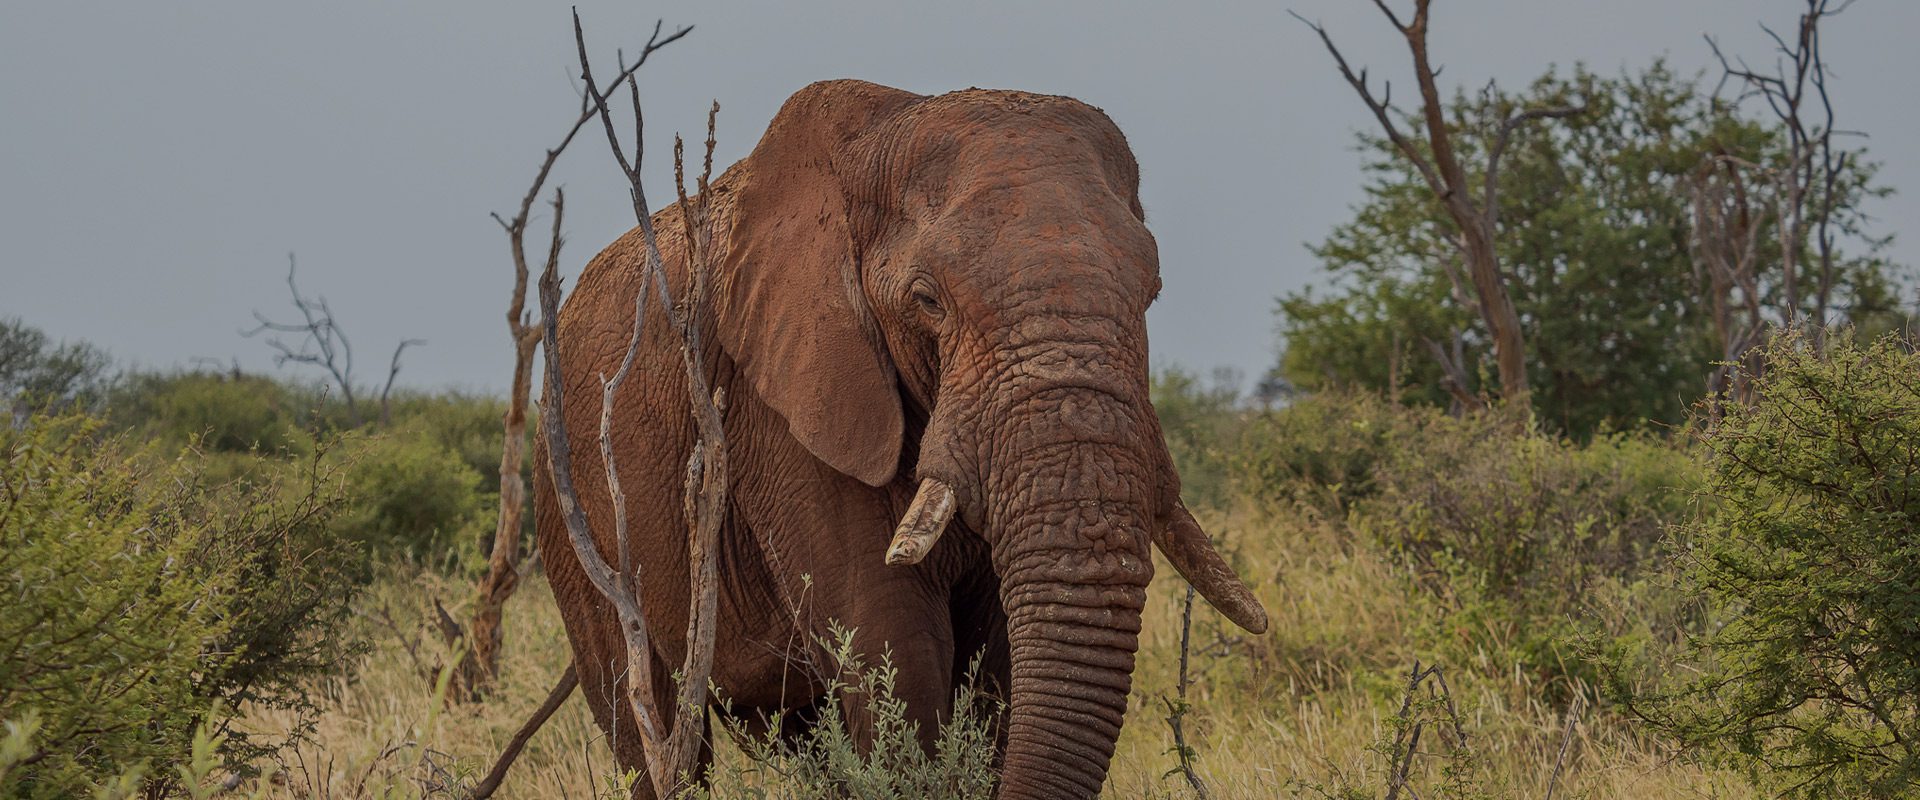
(1178, 707)
(1566, 739)
(503, 560)
(393, 371)
(502, 576)
(1410, 722)
(561, 691)
(1439, 164)
(322, 344)
(671, 738)
(1809, 180)
(1725, 244)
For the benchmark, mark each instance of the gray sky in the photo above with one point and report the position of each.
(159, 160)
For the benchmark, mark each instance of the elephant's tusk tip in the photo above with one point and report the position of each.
(903, 552)
(926, 519)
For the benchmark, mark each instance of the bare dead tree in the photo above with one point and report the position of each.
(1725, 242)
(1566, 739)
(622, 590)
(502, 576)
(1408, 727)
(323, 344)
(561, 691)
(1476, 216)
(393, 371)
(671, 738)
(1810, 179)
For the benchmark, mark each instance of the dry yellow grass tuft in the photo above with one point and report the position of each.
(1304, 711)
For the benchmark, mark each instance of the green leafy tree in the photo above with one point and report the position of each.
(35, 372)
(1809, 563)
(1594, 238)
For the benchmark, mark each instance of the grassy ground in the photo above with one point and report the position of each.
(1306, 710)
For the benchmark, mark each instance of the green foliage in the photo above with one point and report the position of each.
(1322, 450)
(410, 494)
(423, 486)
(36, 374)
(1593, 239)
(1198, 422)
(1524, 536)
(1811, 567)
(140, 596)
(827, 764)
(1524, 533)
(219, 412)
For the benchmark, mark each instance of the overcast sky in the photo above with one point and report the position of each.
(158, 160)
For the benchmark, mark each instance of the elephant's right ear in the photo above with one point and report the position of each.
(789, 305)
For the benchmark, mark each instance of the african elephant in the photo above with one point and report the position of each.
(939, 298)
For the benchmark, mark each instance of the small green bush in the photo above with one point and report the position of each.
(1323, 450)
(1202, 424)
(1530, 540)
(218, 412)
(1809, 678)
(827, 764)
(140, 599)
(408, 494)
(36, 374)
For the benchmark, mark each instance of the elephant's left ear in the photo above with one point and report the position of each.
(789, 307)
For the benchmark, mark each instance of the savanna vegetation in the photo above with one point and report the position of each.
(1681, 562)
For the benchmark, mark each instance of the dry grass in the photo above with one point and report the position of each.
(385, 732)
(1303, 710)
(1299, 712)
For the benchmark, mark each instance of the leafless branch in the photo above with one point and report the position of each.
(1809, 180)
(322, 344)
(670, 738)
(1566, 738)
(1382, 107)
(1177, 708)
(1490, 191)
(393, 371)
(502, 577)
(561, 691)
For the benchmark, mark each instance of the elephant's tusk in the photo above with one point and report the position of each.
(926, 519)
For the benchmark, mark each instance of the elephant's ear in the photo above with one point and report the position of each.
(789, 305)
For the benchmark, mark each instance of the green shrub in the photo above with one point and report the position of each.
(1323, 449)
(1810, 677)
(408, 494)
(37, 374)
(1202, 425)
(222, 413)
(827, 764)
(468, 425)
(141, 600)
(423, 485)
(1516, 509)
(1529, 540)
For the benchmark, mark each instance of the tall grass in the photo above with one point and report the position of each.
(1301, 711)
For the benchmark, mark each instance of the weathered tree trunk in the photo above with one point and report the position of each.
(503, 576)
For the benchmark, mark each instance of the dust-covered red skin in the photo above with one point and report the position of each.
(904, 287)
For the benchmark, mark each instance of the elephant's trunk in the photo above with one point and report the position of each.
(1072, 649)
(1070, 510)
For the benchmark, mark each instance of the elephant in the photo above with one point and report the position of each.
(929, 308)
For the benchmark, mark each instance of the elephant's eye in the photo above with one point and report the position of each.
(928, 300)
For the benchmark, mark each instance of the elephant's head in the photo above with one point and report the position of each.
(979, 262)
